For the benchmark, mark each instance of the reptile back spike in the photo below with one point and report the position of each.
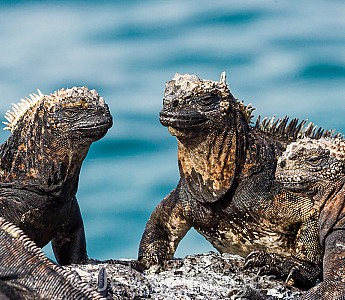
(18, 110)
(223, 78)
(26, 273)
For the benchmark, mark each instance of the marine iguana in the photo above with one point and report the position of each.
(227, 190)
(25, 272)
(317, 167)
(40, 164)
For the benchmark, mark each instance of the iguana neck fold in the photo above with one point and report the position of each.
(208, 165)
(44, 167)
(34, 167)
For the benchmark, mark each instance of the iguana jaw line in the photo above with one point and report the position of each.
(96, 129)
(294, 182)
(182, 122)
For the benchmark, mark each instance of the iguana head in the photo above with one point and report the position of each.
(78, 113)
(307, 163)
(50, 132)
(210, 126)
(193, 107)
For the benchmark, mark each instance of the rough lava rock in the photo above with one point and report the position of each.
(204, 276)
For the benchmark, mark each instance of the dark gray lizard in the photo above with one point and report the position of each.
(25, 272)
(318, 168)
(227, 188)
(40, 165)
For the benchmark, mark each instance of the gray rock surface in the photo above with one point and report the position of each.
(205, 276)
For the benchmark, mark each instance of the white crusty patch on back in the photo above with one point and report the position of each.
(19, 109)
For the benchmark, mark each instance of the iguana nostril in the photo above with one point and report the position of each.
(175, 103)
(282, 163)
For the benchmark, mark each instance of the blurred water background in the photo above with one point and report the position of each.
(285, 57)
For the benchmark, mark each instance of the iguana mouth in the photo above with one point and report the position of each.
(94, 129)
(182, 121)
(294, 183)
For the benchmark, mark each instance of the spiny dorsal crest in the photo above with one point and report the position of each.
(336, 146)
(76, 96)
(30, 249)
(294, 129)
(185, 86)
(18, 110)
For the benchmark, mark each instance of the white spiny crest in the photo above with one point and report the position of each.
(19, 109)
(223, 78)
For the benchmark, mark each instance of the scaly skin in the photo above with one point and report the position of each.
(227, 190)
(318, 167)
(40, 165)
(25, 272)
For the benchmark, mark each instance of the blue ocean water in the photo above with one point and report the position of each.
(285, 57)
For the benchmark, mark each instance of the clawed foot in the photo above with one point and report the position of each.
(139, 265)
(295, 272)
(265, 262)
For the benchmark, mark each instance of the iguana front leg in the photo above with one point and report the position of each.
(333, 285)
(69, 244)
(164, 230)
(304, 267)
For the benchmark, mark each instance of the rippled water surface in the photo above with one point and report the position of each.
(285, 57)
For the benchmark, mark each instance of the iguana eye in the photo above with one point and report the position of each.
(313, 160)
(69, 113)
(207, 100)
